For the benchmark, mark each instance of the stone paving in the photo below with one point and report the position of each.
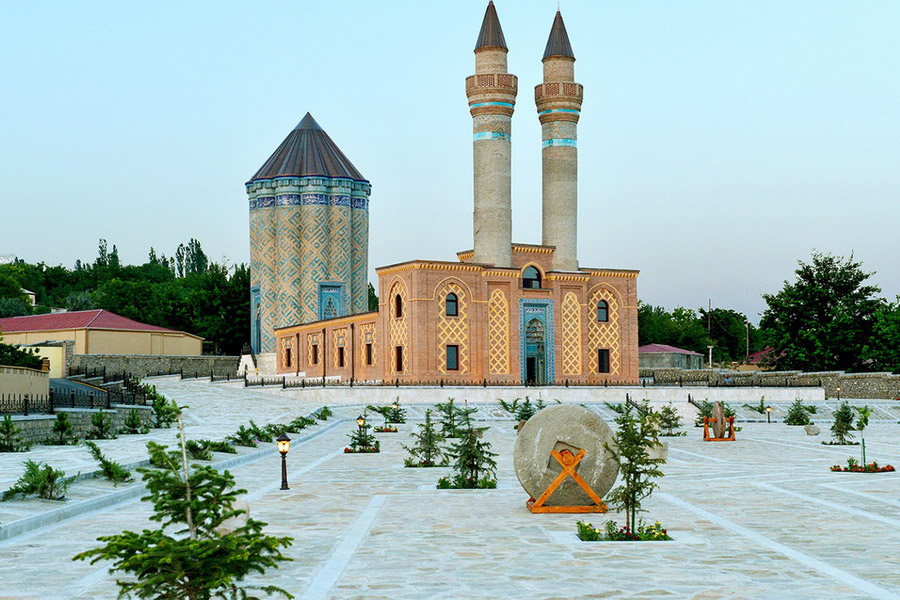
(759, 518)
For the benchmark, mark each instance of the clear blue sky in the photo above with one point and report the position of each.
(719, 143)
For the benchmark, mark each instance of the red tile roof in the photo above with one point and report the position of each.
(651, 348)
(81, 319)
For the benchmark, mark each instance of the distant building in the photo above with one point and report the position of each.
(100, 332)
(661, 356)
(32, 297)
(503, 312)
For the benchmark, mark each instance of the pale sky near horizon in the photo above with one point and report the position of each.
(719, 143)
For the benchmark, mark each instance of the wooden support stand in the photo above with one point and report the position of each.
(568, 461)
(707, 437)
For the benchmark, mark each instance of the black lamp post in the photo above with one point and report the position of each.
(768, 414)
(284, 444)
(360, 422)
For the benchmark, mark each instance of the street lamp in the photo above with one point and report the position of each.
(284, 444)
(768, 414)
(395, 405)
(839, 393)
(360, 422)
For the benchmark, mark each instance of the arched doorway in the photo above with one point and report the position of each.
(535, 352)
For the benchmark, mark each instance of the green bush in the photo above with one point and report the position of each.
(218, 446)
(164, 411)
(797, 414)
(299, 424)
(113, 471)
(11, 436)
(669, 421)
(260, 432)
(473, 461)
(323, 413)
(41, 480)
(243, 437)
(102, 427)
(133, 423)
(426, 452)
(63, 429)
(197, 450)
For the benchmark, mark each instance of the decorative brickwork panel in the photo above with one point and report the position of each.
(453, 330)
(571, 335)
(498, 333)
(312, 339)
(359, 283)
(340, 243)
(367, 336)
(339, 340)
(399, 327)
(604, 334)
(289, 266)
(263, 246)
(314, 259)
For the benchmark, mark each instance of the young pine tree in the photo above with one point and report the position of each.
(426, 452)
(638, 432)
(62, 427)
(797, 414)
(450, 416)
(189, 557)
(474, 465)
(669, 420)
(11, 436)
(843, 424)
(363, 441)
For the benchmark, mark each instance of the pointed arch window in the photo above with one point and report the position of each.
(398, 306)
(451, 305)
(602, 311)
(531, 278)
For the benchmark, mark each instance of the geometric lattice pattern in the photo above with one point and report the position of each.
(558, 130)
(399, 327)
(367, 336)
(288, 266)
(604, 334)
(312, 339)
(339, 340)
(453, 330)
(571, 335)
(498, 333)
(359, 274)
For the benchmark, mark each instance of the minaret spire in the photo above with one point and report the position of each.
(558, 102)
(492, 99)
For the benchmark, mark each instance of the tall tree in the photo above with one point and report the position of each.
(824, 319)
(882, 352)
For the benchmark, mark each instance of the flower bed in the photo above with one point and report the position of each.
(361, 450)
(385, 429)
(854, 467)
(611, 532)
(458, 483)
(840, 443)
(422, 463)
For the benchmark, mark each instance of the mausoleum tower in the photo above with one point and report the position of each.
(309, 235)
(492, 99)
(559, 106)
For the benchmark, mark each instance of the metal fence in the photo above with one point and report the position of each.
(25, 403)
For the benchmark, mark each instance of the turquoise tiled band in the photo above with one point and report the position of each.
(491, 135)
(559, 110)
(507, 104)
(559, 142)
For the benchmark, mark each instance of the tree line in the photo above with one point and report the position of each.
(187, 292)
(830, 318)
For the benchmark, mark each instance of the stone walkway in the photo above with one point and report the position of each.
(760, 518)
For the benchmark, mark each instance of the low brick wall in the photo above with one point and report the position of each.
(37, 428)
(141, 365)
(852, 385)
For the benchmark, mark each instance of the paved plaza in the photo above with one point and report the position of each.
(759, 518)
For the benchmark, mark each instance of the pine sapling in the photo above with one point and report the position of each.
(426, 452)
(11, 436)
(62, 427)
(102, 427)
(474, 465)
(39, 479)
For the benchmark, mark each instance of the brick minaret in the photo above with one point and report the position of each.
(492, 98)
(559, 105)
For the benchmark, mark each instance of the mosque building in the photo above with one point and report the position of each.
(502, 313)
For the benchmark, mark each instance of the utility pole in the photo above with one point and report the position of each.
(710, 356)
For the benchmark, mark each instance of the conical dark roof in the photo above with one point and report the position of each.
(491, 33)
(558, 43)
(307, 151)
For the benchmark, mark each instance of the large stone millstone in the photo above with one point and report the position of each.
(564, 426)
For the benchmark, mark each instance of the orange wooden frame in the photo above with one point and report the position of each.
(708, 438)
(568, 461)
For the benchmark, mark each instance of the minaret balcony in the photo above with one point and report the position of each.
(503, 82)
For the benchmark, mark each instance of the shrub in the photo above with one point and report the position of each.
(164, 411)
(102, 427)
(40, 479)
(797, 414)
(613, 533)
(670, 421)
(473, 461)
(273, 430)
(243, 437)
(259, 432)
(363, 441)
(426, 452)
(299, 424)
(113, 471)
(133, 423)
(218, 446)
(11, 436)
(760, 408)
(617, 408)
(449, 418)
(323, 413)
(456, 482)
(63, 429)
(843, 424)
(197, 450)
(160, 455)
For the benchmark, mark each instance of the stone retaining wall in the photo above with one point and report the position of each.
(852, 385)
(37, 428)
(141, 365)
